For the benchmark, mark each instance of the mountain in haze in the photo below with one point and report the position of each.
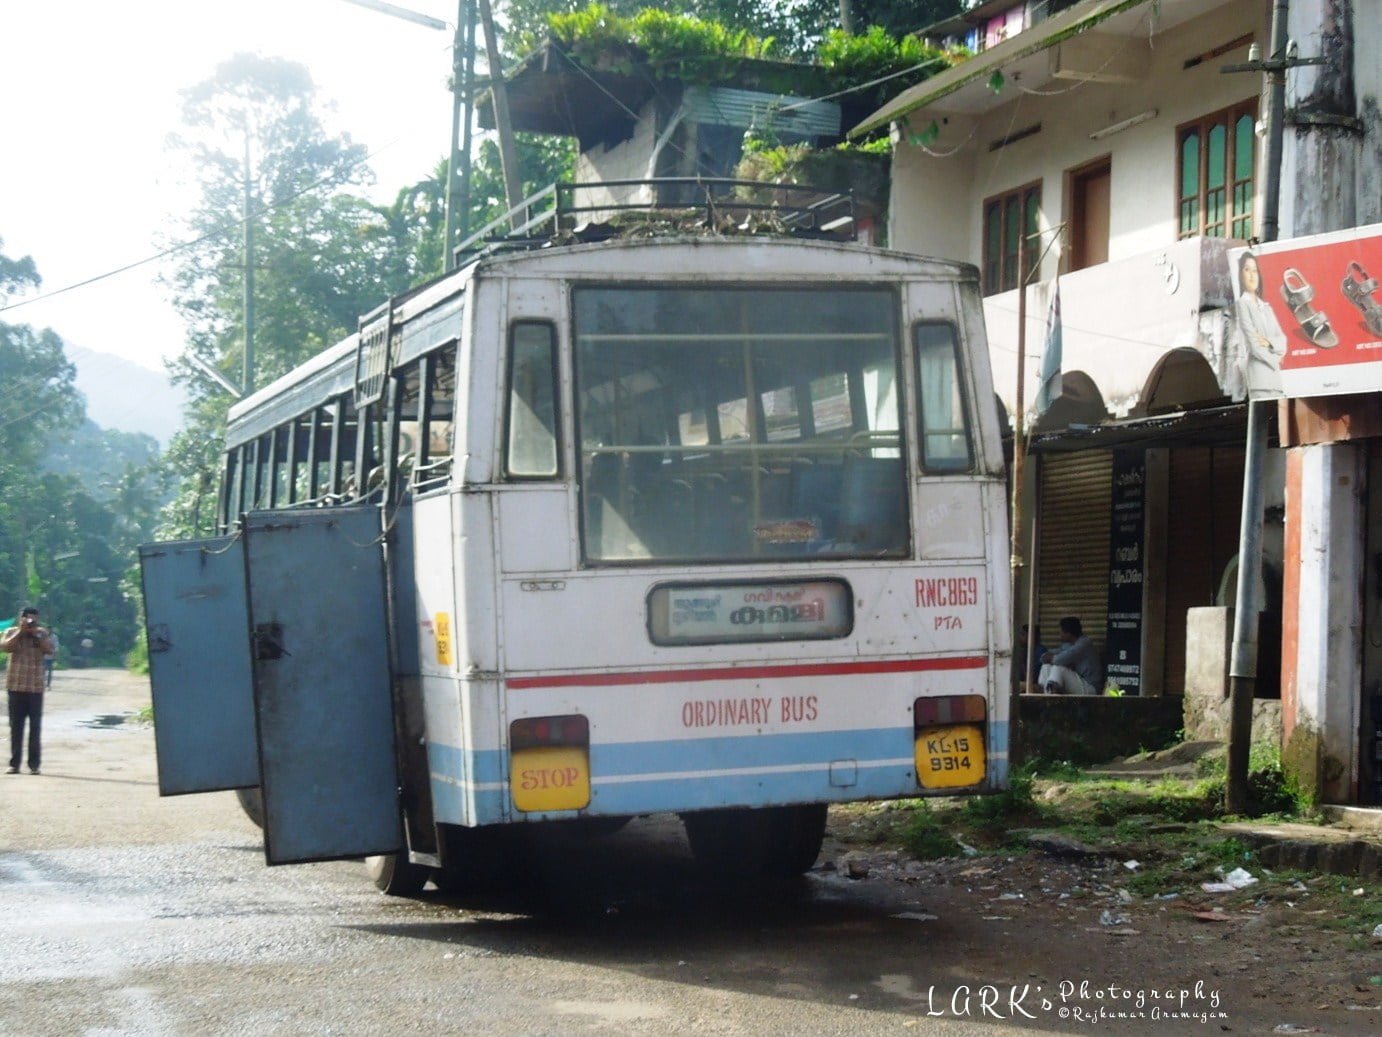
(125, 396)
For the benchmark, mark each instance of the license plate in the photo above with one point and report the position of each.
(550, 778)
(950, 757)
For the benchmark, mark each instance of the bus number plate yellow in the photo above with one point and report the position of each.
(550, 778)
(950, 757)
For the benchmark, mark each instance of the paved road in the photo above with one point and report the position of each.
(122, 913)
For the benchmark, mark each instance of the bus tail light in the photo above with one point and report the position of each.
(538, 732)
(549, 763)
(949, 709)
(949, 740)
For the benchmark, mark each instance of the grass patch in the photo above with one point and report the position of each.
(924, 836)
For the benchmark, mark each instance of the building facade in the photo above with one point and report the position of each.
(1100, 146)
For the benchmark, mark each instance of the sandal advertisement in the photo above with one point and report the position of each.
(1308, 314)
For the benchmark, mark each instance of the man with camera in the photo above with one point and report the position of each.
(26, 643)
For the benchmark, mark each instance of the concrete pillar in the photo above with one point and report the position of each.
(1322, 650)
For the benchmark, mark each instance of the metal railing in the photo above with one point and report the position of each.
(675, 205)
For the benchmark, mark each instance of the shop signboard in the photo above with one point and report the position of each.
(1307, 315)
(1123, 644)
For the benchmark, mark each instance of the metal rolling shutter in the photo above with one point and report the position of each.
(1073, 542)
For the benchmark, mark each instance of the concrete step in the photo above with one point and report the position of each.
(1336, 851)
(1179, 761)
(1356, 819)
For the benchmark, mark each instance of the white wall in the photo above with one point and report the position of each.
(937, 202)
(627, 160)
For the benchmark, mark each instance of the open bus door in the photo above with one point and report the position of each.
(199, 665)
(322, 696)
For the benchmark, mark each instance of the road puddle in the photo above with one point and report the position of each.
(105, 720)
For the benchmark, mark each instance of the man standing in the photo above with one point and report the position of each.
(1075, 667)
(26, 643)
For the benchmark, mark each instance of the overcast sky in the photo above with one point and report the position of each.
(90, 91)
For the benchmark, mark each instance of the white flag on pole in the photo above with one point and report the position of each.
(1050, 387)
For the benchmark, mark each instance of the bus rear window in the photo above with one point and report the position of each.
(724, 424)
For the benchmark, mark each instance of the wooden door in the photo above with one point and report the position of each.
(1089, 214)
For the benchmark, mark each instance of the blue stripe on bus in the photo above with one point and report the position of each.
(678, 779)
(700, 754)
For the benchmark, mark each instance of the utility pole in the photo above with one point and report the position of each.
(1017, 558)
(462, 109)
(847, 17)
(1247, 604)
(247, 372)
(468, 127)
(508, 155)
(462, 116)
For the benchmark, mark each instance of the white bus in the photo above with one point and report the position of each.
(705, 525)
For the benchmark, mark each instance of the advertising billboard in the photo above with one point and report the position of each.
(1307, 315)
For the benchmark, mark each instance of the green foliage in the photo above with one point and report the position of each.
(190, 467)
(923, 835)
(700, 50)
(137, 660)
(671, 46)
(37, 401)
(797, 26)
(17, 275)
(854, 60)
(541, 161)
(1013, 802)
(881, 146)
(1270, 789)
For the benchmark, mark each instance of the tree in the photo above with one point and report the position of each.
(322, 255)
(58, 545)
(16, 275)
(318, 260)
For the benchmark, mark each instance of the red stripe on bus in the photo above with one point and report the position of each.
(735, 673)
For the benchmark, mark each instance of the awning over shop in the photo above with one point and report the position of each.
(1062, 26)
(1208, 426)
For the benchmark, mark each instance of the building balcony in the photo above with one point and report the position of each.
(1141, 336)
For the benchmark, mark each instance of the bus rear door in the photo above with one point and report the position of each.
(322, 687)
(199, 665)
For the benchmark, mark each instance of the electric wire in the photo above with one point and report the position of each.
(330, 180)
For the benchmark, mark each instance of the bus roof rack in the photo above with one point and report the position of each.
(671, 205)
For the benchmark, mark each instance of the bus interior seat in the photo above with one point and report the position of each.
(873, 509)
(816, 495)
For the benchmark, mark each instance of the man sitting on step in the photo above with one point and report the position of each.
(1075, 667)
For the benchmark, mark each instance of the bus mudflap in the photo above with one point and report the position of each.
(318, 625)
(199, 665)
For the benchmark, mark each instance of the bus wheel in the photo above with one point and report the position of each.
(252, 803)
(775, 841)
(802, 833)
(395, 875)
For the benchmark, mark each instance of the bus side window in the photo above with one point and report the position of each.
(531, 448)
(235, 475)
(435, 419)
(408, 405)
(945, 444)
(347, 425)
